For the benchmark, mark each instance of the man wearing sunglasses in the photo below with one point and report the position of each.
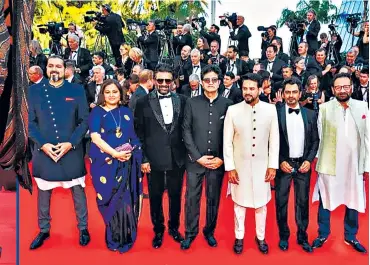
(343, 161)
(203, 132)
(158, 119)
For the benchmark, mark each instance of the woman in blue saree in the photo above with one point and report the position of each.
(116, 174)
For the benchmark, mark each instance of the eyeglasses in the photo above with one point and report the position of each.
(346, 88)
(208, 80)
(161, 80)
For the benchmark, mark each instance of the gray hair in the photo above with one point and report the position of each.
(75, 37)
(188, 28)
(195, 52)
(36, 46)
(194, 77)
(101, 68)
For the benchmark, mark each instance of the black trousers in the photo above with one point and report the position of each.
(194, 184)
(301, 198)
(116, 54)
(157, 181)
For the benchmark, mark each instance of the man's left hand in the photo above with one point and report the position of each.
(62, 149)
(215, 163)
(270, 174)
(305, 167)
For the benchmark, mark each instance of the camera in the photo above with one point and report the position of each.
(296, 25)
(226, 17)
(55, 29)
(132, 24)
(353, 19)
(97, 16)
(167, 25)
(315, 98)
(263, 34)
(200, 20)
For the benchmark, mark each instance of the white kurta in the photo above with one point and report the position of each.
(251, 145)
(347, 186)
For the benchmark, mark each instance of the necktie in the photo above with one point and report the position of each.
(290, 110)
(162, 97)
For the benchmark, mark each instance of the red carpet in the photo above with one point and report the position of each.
(7, 227)
(62, 248)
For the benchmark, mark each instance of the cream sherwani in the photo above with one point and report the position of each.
(340, 169)
(251, 145)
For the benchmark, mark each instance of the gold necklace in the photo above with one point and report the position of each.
(118, 128)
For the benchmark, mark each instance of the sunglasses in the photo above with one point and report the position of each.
(167, 81)
(208, 80)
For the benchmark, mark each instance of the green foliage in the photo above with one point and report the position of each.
(321, 7)
(74, 11)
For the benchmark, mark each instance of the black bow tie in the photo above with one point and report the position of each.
(162, 97)
(290, 110)
(271, 61)
(196, 66)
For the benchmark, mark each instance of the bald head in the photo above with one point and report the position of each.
(35, 73)
(185, 51)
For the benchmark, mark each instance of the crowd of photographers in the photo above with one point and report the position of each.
(168, 41)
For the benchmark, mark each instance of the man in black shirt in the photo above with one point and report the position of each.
(203, 134)
(241, 34)
(211, 35)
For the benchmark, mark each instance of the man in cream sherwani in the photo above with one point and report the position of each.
(251, 157)
(343, 161)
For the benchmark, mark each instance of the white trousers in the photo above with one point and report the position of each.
(239, 218)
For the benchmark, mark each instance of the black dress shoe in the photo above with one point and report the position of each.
(211, 240)
(356, 245)
(39, 240)
(176, 235)
(238, 246)
(157, 240)
(262, 246)
(305, 246)
(186, 243)
(283, 245)
(84, 237)
(318, 242)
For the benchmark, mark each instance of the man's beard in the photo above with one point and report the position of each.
(162, 91)
(55, 77)
(250, 101)
(343, 99)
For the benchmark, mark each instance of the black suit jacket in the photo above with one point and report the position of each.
(235, 93)
(277, 66)
(90, 92)
(188, 70)
(150, 45)
(283, 56)
(312, 33)
(186, 90)
(76, 80)
(113, 29)
(154, 136)
(311, 137)
(179, 43)
(242, 37)
(357, 94)
(84, 61)
(211, 36)
(139, 92)
(41, 61)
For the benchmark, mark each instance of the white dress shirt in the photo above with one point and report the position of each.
(73, 56)
(97, 92)
(364, 91)
(196, 92)
(69, 79)
(197, 70)
(232, 67)
(167, 108)
(226, 92)
(295, 131)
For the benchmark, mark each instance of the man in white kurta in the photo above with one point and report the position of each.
(251, 156)
(343, 161)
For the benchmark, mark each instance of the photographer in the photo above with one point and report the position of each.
(179, 62)
(311, 31)
(150, 44)
(111, 26)
(363, 42)
(183, 38)
(325, 76)
(240, 33)
(312, 97)
(332, 47)
(216, 58)
(211, 35)
(267, 40)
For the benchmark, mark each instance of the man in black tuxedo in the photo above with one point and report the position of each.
(150, 44)
(98, 59)
(299, 142)
(244, 56)
(235, 65)
(112, 28)
(69, 73)
(146, 85)
(312, 68)
(158, 119)
(182, 39)
(287, 72)
(241, 34)
(93, 88)
(203, 137)
(273, 64)
(312, 30)
(81, 56)
(229, 89)
(194, 88)
(361, 92)
(195, 66)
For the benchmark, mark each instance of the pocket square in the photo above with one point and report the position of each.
(70, 99)
(222, 117)
(363, 116)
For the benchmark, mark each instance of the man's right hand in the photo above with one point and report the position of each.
(205, 161)
(145, 168)
(48, 149)
(233, 177)
(285, 167)
(92, 105)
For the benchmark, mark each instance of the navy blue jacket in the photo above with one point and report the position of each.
(57, 115)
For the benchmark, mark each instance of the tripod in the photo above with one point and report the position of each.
(167, 53)
(55, 47)
(102, 45)
(293, 48)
